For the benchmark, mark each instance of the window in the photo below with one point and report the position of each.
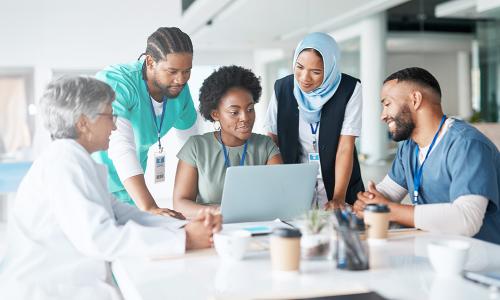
(16, 113)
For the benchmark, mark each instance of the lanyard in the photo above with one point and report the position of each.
(226, 155)
(314, 130)
(158, 128)
(417, 174)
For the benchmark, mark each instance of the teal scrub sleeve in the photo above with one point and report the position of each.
(188, 115)
(124, 97)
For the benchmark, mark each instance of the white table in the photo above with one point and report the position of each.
(399, 269)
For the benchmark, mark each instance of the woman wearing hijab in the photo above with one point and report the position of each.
(315, 116)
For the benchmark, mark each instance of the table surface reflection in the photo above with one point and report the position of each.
(399, 269)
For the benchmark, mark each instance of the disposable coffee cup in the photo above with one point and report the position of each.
(376, 221)
(285, 249)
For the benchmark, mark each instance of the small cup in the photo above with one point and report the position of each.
(376, 221)
(232, 244)
(448, 257)
(285, 249)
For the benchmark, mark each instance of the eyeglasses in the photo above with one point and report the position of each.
(113, 116)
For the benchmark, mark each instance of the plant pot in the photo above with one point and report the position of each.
(315, 246)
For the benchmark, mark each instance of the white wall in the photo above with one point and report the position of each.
(57, 35)
(79, 34)
(88, 35)
(48, 35)
(442, 65)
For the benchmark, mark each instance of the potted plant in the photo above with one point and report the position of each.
(315, 241)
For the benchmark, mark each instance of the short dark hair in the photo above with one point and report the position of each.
(166, 40)
(416, 75)
(220, 81)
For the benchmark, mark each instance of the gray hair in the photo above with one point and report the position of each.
(66, 99)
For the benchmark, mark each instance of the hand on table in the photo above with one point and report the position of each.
(334, 205)
(199, 232)
(167, 213)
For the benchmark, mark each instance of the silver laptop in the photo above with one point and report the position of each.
(264, 193)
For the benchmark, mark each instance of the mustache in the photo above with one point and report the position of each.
(389, 120)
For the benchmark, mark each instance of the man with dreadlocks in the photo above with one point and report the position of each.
(152, 96)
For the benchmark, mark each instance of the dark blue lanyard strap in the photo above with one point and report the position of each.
(158, 128)
(417, 174)
(226, 154)
(314, 130)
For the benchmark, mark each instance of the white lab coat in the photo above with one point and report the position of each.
(65, 228)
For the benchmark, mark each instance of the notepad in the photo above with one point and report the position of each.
(258, 230)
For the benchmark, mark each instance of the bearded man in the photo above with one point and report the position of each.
(450, 170)
(152, 96)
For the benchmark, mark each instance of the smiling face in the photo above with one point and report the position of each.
(236, 115)
(396, 112)
(308, 70)
(170, 74)
(94, 134)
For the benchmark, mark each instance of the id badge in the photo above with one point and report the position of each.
(314, 158)
(159, 167)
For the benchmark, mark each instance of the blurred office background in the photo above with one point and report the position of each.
(458, 41)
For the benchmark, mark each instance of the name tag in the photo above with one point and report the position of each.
(314, 158)
(159, 167)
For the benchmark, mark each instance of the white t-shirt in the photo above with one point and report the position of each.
(122, 148)
(351, 126)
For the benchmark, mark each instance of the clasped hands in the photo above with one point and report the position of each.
(200, 229)
(372, 196)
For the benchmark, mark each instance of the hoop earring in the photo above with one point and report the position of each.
(216, 125)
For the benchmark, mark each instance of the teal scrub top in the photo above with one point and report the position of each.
(134, 104)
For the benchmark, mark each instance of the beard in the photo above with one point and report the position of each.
(404, 125)
(164, 89)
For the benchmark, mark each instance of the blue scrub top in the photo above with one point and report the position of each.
(464, 162)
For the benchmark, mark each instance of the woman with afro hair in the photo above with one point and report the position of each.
(227, 98)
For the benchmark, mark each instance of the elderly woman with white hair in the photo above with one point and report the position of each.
(65, 227)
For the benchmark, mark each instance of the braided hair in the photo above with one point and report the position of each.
(167, 40)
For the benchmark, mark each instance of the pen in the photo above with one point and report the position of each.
(285, 222)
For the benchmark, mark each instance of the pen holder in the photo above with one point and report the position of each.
(351, 254)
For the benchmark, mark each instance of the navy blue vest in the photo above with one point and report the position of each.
(332, 117)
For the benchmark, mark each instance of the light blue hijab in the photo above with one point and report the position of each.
(310, 103)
